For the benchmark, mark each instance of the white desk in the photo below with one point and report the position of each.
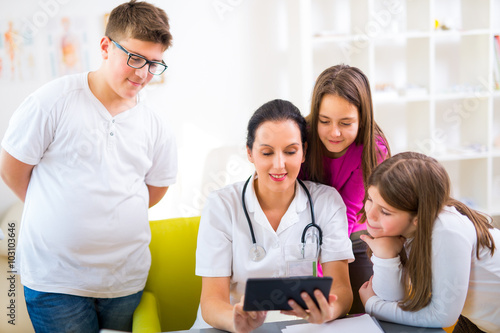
(278, 326)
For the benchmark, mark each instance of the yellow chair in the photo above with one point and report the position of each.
(172, 293)
(10, 225)
(449, 329)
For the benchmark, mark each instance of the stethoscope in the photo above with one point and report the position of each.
(257, 252)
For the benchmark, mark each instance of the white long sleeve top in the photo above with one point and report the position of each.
(461, 284)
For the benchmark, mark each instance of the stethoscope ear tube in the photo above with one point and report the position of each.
(313, 220)
(245, 209)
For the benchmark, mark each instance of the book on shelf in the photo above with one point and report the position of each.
(496, 61)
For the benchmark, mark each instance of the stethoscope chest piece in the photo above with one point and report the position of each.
(256, 253)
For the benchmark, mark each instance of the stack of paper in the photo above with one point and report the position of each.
(359, 324)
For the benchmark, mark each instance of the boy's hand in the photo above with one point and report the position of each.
(385, 247)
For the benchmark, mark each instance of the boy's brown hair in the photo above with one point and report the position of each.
(139, 20)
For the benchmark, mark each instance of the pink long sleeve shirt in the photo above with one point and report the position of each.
(346, 175)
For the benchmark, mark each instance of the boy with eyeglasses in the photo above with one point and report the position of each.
(88, 157)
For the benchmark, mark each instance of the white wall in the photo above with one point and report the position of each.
(228, 58)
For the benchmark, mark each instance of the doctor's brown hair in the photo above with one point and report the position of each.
(139, 20)
(351, 84)
(277, 110)
(419, 185)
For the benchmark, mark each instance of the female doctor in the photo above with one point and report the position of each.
(272, 226)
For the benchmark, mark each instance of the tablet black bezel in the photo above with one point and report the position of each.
(267, 294)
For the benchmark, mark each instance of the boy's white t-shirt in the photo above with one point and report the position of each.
(85, 227)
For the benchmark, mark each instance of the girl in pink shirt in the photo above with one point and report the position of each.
(345, 144)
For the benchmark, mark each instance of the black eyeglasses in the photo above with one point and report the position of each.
(138, 61)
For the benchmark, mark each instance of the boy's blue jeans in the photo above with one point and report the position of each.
(52, 312)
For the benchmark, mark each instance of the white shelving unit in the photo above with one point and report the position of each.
(431, 66)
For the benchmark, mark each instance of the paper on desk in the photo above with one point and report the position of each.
(360, 324)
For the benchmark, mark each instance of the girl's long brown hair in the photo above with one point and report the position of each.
(351, 84)
(419, 185)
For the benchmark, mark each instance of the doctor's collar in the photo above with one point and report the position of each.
(300, 200)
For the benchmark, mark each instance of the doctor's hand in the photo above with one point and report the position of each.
(247, 321)
(385, 247)
(366, 291)
(314, 315)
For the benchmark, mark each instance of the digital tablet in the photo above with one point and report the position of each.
(266, 294)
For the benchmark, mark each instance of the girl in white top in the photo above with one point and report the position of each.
(278, 209)
(434, 258)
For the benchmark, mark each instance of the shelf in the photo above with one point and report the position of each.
(326, 55)
(464, 14)
(354, 14)
(418, 15)
(461, 95)
(460, 33)
(495, 186)
(400, 97)
(457, 124)
(413, 131)
(332, 37)
(409, 96)
(432, 88)
(461, 156)
(495, 127)
(494, 213)
(495, 13)
(402, 36)
(453, 59)
(395, 71)
(470, 190)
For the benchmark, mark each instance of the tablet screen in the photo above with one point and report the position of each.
(266, 294)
